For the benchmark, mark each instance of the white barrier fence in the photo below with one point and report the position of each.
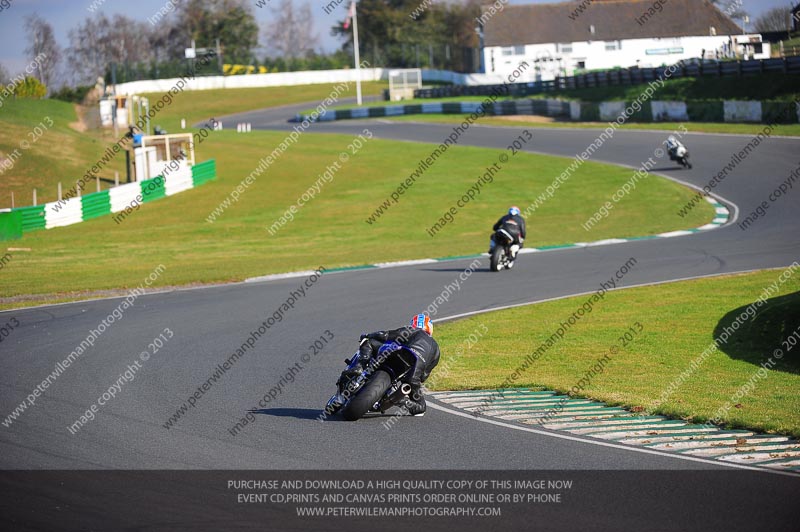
(310, 77)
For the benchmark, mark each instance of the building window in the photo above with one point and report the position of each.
(581, 65)
(565, 48)
(612, 45)
(514, 50)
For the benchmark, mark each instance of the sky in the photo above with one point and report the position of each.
(66, 14)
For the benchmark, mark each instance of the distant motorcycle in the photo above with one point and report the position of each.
(503, 252)
(377, 388)
(677, 152)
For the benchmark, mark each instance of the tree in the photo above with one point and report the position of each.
(30, 87)
(99, 41)
(398, 35)
(230, 21)
(291, 34)
(775, 19)
(42, 49)
(5, 77)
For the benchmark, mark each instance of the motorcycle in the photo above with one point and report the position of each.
(377, 388)
(504, 251)
(680, 155)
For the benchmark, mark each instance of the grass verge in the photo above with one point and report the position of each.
(678, 322)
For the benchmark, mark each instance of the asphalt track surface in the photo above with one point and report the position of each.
(209, 324)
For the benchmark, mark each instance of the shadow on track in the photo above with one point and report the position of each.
(311, 413)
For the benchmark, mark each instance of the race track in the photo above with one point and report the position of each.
(209, 324)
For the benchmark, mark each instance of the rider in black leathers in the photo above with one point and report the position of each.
(514, 224)
(416, 338)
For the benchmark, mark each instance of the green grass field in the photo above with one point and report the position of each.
(678, 322)
(64, 154)
(61, 154)
(175, 232)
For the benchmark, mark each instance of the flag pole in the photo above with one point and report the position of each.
(358, 59)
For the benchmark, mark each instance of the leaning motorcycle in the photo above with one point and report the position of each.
(681, 156)
(377, 388)
(503, 252)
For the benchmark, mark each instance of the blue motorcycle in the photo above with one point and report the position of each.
(377, 388)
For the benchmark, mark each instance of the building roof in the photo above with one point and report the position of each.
(611, 19)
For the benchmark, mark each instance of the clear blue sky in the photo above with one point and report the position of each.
(66, 14)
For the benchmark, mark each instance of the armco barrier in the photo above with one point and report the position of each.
(80, 208)
(653, 111)
(619, 76)
(510, 107)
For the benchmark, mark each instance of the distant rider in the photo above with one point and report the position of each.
(418, 339)
(672, 146)
(514, 224)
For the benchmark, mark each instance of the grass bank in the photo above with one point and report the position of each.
(676, 323)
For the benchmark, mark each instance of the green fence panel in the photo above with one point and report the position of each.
(590, 112)
(774, 112)
(32, 218)
(153, 189)
(10, 225)
(705, 111)
(453, 108)
(96, 204)
(204, 172)
(644, 114)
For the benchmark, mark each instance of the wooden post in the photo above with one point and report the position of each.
(59, 190)
(97, 180)
(116, 178)
(12, 199)
(34, 197)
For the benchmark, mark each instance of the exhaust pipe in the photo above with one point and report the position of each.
(401, 393)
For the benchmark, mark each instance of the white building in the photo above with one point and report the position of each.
(571, 37)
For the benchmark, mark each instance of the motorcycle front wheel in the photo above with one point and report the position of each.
(366, 398)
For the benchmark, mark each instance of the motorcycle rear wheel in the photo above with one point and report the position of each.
(366, 398)
(494, 261)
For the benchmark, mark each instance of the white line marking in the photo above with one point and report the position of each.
(608, 444)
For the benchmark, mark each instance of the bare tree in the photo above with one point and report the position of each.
(291, 34)
(99, 41)
(775, 19)
(4, 76)
(42, 48)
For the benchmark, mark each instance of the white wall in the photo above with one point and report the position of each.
(311, 77)
(280, 79)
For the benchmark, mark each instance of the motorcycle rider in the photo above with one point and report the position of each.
(676, 150)
(514, 224)
(418, 338)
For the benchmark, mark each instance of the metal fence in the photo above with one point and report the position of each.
(622, 76)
